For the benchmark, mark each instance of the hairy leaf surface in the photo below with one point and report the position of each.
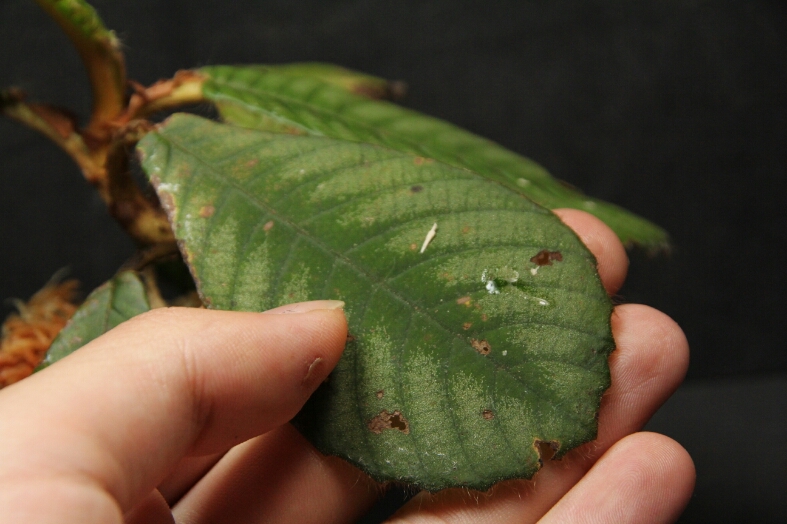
(270, 99)
(110, 304)
(470, 351)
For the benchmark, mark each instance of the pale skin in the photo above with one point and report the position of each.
(180, 415)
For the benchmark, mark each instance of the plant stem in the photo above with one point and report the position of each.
(99, 49)
(184, 88)
(106, 168)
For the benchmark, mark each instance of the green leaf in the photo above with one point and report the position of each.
(110, 304)
(465, 361)
(272, 100)
(355, 82)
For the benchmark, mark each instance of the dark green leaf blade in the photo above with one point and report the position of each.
(110, 304)
(463, 357)
(272, 100)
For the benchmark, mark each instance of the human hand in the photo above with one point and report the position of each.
(622, 476)
(151, 415)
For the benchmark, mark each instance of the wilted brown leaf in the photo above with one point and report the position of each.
(27, 335)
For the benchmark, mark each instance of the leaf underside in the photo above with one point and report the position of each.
(110, 304)
(464, 360)
(271, 99)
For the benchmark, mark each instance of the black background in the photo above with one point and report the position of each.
(674, 110)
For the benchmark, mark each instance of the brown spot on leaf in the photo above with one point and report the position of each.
(463, 300)
(268, 225)
(482, 346)
(206, 211)
(413, 247)
(419, 160)
(350, 338)
(373, 92)
(545, 257)
(380, 394)
(466, 230)
(467, 325)
(546, 449)
(417, 189)
(387, 420)
(487, 414)
(484, 318)
(253, 162)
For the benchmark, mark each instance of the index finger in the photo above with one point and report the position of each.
(130, 404)
(610, 254)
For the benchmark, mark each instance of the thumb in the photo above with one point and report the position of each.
(116, 416)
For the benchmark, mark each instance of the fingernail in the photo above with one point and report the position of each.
(303, 307)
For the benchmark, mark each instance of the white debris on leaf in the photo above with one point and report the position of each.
(429, 236)
(168, 187)
(490, 284)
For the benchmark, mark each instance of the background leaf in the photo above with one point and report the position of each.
(110, 304)
(352, 81)
(271, 99)
(464, 360)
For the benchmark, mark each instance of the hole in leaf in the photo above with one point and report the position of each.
(546, 449)
(387, 420)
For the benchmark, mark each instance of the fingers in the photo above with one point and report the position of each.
(639, 367)
(171, 382)
(603, 243)
(188, 471)
(255, 481)
(645, 477)
(648, 365)
(278, 477)
(152, 509)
